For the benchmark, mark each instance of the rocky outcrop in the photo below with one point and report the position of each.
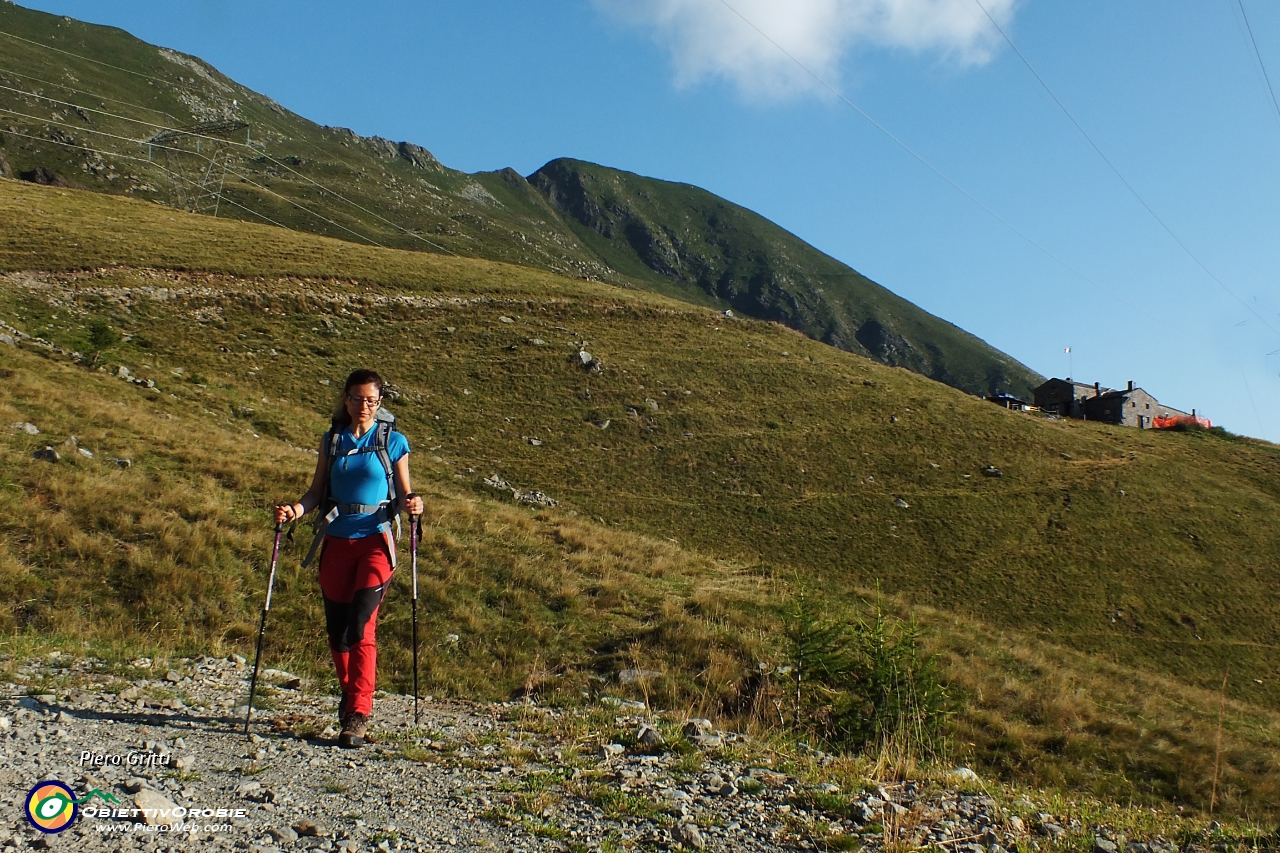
(44, 177)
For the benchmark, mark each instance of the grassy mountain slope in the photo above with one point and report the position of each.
(79, 114)
(1088, 601)
(83, 110)
(702, 244)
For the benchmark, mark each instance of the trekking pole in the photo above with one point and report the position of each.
(262, 627)
(415, 530)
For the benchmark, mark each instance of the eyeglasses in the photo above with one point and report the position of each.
(362, 402)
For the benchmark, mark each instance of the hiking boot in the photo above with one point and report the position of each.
(344, 710)
(354, 731)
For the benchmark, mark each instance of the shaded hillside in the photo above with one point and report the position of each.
(1087, 601)
(697, 244)
(79, 104)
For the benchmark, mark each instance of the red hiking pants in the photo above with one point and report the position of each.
(354, 575)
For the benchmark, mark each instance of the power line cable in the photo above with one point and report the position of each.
(245, 178)
(147, 162)
(878, 126)
(1117, 173)
(261, 120)
(1258, 54)
(86, 92)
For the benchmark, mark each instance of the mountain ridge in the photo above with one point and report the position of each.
(329, 180)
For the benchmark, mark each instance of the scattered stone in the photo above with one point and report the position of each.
(900, 503)
(651, 403)
(630, 676)
(992, 471)
(505, 320)
(85, 452)
(8, 340)
(28, 428)
(283, 834)
(537, 342)
(172, 676)
(122, 372)
(689, 834)
(48, 454)
(278, 775)
(535, 497)
(649, 736)
(587, 362)
(863, 813)
(963, 774)
(604, 424)
(121, 463)
(157, 808)
(697, 726)
(496, 482)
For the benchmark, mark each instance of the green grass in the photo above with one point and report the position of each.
(1087, 631)
(685, 242)
(63, 110)
(372, 192)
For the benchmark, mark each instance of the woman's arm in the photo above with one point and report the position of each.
(412, 503)
(313, 496)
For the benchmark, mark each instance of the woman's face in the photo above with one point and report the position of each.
(362, 402)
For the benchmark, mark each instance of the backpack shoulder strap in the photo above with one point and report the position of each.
(381, 446)
(328, 510)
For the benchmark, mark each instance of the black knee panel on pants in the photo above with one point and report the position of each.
(345, 622)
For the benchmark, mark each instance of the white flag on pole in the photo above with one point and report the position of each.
(1067, 350)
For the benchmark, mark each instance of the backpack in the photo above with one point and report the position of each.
(330, 509)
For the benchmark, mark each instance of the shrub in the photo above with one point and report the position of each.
(865, 685)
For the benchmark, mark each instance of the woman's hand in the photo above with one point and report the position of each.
(413, 504)
(288, 512)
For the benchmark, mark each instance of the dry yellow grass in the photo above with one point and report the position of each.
(775, 471)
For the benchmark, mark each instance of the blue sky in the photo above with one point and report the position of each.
(686, 90)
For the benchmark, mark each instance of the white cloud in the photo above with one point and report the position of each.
(709, 39)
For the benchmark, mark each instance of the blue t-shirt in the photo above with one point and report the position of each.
(360, 479)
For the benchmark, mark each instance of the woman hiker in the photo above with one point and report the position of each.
(361, 482)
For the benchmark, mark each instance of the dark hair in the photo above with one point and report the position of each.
(364, 376)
